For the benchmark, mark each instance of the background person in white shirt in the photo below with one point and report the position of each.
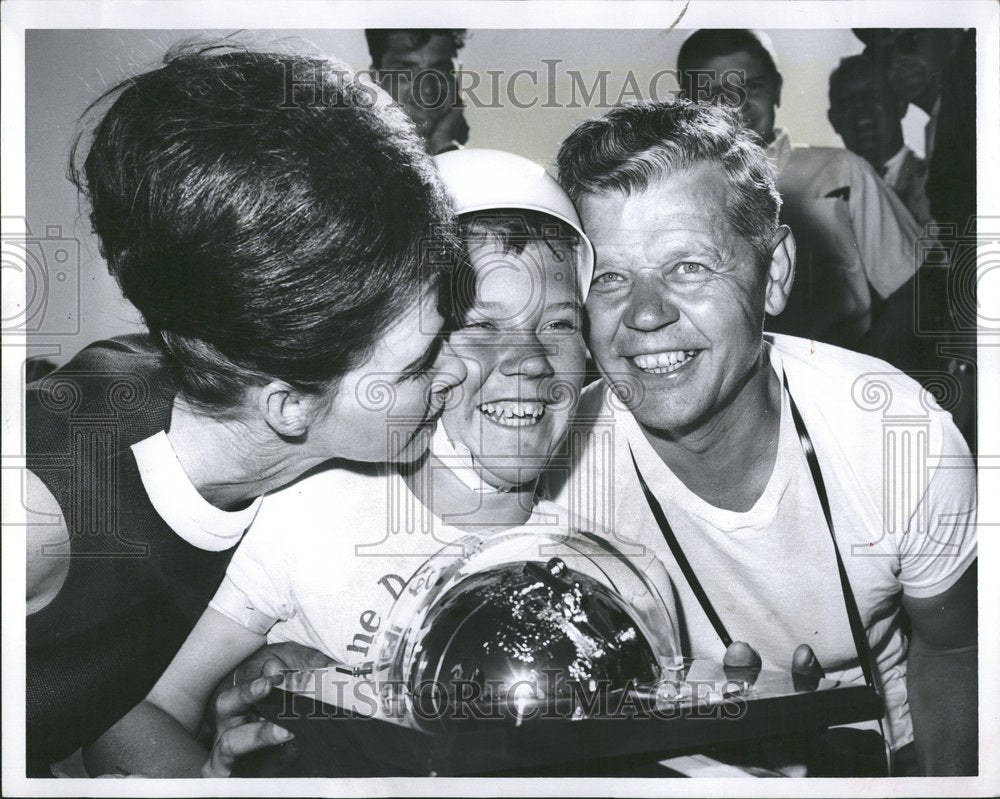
(868, 115)
(855, 236)
(683, 213)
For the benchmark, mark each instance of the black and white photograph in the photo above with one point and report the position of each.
(500, 398)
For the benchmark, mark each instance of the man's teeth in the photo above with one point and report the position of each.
(662, 362)
(514, 414)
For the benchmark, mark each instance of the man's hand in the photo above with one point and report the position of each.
(450, 130)
(743, 662)
(740, 655)
(238, 731)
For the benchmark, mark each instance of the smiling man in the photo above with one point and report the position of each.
(740, 459)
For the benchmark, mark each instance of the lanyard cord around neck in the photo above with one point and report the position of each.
(853, 615)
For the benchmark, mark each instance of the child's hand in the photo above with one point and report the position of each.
(276, 659)
(238, 731)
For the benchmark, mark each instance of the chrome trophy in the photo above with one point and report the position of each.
(522, 625)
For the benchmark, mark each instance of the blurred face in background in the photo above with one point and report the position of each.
(867, 115)
(420, 75)
(741, 78)
(916, 57)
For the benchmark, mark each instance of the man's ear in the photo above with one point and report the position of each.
(285, 410)
(780, 272)
(777, 85)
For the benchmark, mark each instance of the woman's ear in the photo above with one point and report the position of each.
(285, 410)
(780, 272)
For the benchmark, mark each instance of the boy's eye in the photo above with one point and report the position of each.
(561, 325)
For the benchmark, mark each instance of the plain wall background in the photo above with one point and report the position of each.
(66, 70)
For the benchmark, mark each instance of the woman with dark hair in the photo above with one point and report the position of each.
(283, 233)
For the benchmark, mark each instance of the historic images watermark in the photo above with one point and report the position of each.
(548, 85)
(434, 704)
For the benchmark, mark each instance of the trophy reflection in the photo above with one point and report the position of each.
(505, 632)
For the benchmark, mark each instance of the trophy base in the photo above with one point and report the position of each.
(622, 735)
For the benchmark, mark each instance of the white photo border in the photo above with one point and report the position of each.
(21, 15)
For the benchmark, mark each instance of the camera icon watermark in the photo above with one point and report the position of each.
(49, 264)
(957, 268)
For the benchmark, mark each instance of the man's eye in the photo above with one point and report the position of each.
(606, 278)
(689, 268)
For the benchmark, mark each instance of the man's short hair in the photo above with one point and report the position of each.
(633, 145)
(268, 214)
(708, 43)
(378, 39)
(849, 71)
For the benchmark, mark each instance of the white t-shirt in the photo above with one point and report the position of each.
(327, 557)
(901, 486)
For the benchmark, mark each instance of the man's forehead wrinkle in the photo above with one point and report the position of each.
(641, 220)
(684, 204)
(659, 244)
(628, 235)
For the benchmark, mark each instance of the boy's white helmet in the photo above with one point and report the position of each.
(481, 180)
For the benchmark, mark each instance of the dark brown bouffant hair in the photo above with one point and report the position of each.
(269, 214)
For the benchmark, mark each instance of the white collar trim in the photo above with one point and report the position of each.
(894, 165)
(780, 150)
(180, 505)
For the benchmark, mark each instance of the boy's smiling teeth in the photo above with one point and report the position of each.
(510, 413)
(662, 362)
